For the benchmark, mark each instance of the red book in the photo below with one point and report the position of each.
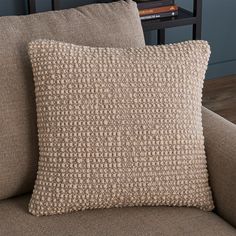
(158, 10)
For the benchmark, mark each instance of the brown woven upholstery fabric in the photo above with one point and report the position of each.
(220, 141)
(111, 25)
(131, 221)
(119, 127)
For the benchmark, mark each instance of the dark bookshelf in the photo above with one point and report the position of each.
(184, 17)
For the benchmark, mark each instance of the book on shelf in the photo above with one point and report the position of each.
(154, 9)
(160, 15)
(153, 4)
(157, 10)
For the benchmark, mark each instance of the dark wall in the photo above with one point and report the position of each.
(219, 28)
(12, 7)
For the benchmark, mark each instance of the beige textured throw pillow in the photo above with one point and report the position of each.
(119, 127)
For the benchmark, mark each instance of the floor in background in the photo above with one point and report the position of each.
(219, 95)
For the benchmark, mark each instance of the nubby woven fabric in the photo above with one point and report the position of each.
(119, 127)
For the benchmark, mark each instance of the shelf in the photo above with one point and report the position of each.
(184, 18)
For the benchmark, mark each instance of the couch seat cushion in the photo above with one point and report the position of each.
(15, 220)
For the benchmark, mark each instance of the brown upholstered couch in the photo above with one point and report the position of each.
(18, 137)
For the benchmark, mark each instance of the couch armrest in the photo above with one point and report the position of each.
(220, 145)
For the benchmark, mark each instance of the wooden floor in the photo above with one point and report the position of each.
(219, 95)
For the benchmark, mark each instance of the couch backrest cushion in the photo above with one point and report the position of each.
(112, 25)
